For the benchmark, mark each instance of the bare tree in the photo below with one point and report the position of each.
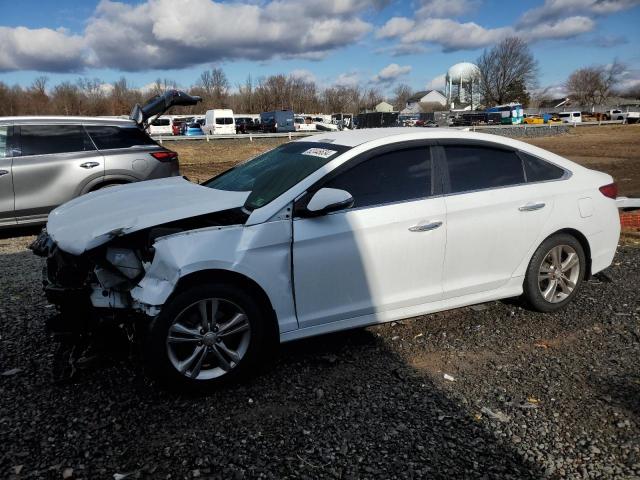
(37, 98)
(593, 85)
(215, 86)
(401, 94)
(506, 71)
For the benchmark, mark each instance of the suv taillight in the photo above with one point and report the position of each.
(610, 190)
(165, 156)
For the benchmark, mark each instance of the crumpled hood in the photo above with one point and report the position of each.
(93, 219)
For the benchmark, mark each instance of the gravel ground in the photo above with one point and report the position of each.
(526, 396)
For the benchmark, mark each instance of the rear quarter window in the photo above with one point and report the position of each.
(108, 137)
(537, 170)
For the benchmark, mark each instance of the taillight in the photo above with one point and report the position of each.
(165, 156)
(610, 190)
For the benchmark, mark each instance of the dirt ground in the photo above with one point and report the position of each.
(613, 149)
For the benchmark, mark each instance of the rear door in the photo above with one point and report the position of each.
(56, 161)
(493, 216)
(7, 212)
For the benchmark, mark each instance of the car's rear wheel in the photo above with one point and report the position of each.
(555, 273)
(205, 336)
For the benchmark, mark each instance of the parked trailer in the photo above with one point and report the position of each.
(377, 119)
(277, 121)
(511, 113)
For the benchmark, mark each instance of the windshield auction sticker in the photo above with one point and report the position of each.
(319, 152)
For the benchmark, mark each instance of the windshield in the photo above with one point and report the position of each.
(269, 175)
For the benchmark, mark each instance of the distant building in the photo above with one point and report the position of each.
(383, 107)
(427, 96)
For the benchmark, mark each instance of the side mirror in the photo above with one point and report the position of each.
(327, 200)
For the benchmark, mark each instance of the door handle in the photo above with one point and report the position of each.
(89, 164)
(530, 207)
(4, 172)
(426, 227)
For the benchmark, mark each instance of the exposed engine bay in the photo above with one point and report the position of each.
(92, 290)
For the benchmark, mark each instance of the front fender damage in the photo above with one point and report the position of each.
(261, 253)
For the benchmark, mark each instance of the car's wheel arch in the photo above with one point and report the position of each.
(584, 243)
(104, 180)
(238, 279)
(579, 236)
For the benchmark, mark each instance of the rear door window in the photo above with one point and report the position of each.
(396, 176)
(478, 168)
(52, 139)
(108, 137)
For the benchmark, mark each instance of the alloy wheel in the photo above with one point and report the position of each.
(559, 273)
(208, 338)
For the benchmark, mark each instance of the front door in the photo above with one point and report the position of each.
(384, 253)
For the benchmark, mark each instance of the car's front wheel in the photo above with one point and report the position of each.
(205, 336)
(555, 273)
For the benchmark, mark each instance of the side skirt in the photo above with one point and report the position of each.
(512, 289)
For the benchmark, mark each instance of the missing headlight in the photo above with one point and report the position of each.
(126, 261)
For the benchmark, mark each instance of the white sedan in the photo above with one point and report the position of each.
(327, 233)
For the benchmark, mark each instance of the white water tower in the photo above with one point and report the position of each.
(462, 84)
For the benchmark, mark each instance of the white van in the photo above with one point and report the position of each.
(570, 117)
(161, 126)
(219, 122)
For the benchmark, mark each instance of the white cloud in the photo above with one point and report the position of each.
(350, 79)
(437, 83)
(628, 79)
(391, 72)
(395, 27)
(163, 34)
(304, 75)
(565, 28)
(552, 10)
(551, 92)
(452, 35)
(445, 8)
(39, 49)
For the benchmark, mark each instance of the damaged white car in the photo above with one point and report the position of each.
(327, 233)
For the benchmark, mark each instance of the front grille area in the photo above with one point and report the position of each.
(66, 270)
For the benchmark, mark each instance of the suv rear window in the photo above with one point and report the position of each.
(109, 137)
(161, 122)
(49, 139)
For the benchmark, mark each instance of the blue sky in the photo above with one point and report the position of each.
(373, 43)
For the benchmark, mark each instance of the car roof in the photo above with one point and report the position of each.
(352, 138)
(64, 120)
(377, 137)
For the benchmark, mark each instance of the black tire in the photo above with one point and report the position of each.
(102, 186)
(156, 356)
(532, 288)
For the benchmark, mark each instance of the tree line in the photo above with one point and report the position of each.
(92, 97)
(507, 72)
